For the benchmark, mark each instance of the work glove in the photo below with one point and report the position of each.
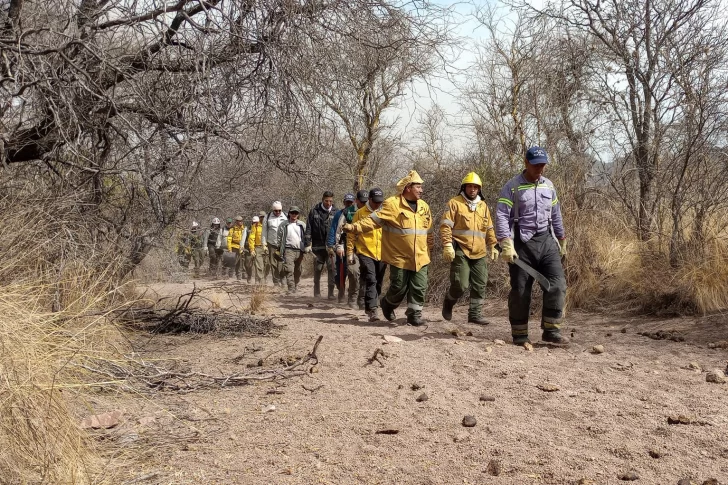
(252, 252)
(340, 252)
(265, 250)
(349, 228)
(350, 259)
(493, 252)
(562, 248)
(330, 250)
(448, 253)
(207, 251)
(508, 253)
(307, 249)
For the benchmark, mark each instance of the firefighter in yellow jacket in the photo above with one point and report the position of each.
(235, 240)
(257, 250)
(368, 248)
(407, 238)
(468, 238)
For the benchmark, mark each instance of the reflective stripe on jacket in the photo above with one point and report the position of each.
(472, 231)
(406, 234)
(367, 244)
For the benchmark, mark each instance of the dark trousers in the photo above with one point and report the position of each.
(215, 258)
(541, 252)
(472, 273)
(407, 283)
(371, 273)
(322, 259)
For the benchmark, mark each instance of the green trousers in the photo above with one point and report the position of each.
(412, 284)
(472, 273)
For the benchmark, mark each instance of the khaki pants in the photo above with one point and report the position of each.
(291, 268)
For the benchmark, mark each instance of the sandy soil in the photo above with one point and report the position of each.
(609, 414)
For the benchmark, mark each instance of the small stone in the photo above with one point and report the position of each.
(494, 468)
(597, 349)
(461, 438)
(469, 333)
(679, 419)
(655, 454)
(600, 390)
(694, 366)
(528, 346)
(128, 438)
(392, 339)
(422, 397)
(488, 350)
(586, 481)
(609, 334)
(624, 330)
(711, 345)
(711, 481)
(269, 408)
(416, 387)
(629, 476)
(548, 387)
(485, 398)
(686, 481)
(716, 376)
(455, 332)
(499, 342)
(469, 421)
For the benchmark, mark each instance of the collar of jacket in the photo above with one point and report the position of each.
(405, 203)
(373, 210)
(320, 207)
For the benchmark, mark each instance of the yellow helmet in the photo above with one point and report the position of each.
(472, 178)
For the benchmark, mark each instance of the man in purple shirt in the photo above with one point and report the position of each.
(528, 225)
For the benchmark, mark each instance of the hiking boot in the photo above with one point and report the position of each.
(331, 294)
(447, 306)
(478, 321)
(373, 315)
(521, 340)
(353, 305)
(387, 310)
(415, 320)
(555, 338)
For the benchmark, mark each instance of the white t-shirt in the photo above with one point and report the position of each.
(294, 236)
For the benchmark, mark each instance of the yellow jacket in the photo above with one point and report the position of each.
(406, 235)
(235, 237)
(256, 236)
(472, 231)
(367, 244)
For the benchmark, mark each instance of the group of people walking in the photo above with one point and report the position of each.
(356, 244)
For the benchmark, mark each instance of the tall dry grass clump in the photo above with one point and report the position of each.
(609, 268)
(53, 292)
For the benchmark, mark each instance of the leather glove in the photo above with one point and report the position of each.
(508, 253)
(562, 248)
(265, 250)
(340, 252)
(350, 259)
(448, 253)
(307, 249)
(493, 252)
(252, 252)
(349, 228)
(330, 250)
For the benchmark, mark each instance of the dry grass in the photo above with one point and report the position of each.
(258, 299)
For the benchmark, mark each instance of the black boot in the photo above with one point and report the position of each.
(387, 309)
(479, 320)
(447, 306)
(415, 320)
(331, 293)
(554, 337)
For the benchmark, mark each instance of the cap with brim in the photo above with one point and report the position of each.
(294, 208)
(239, 218)
(229, 219)
(349, 198)
(537, 156)
(362, 195)
(376, 195)
(261, 214)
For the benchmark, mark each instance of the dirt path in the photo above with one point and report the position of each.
(609, 412)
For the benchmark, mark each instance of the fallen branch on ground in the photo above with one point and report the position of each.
(138, 374)
(375, 357)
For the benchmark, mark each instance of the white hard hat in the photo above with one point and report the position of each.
(256, 219)
(215, 220)
(195, 224)
(277, 206)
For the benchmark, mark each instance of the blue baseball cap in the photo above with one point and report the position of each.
(349, 198)
(536, 156)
